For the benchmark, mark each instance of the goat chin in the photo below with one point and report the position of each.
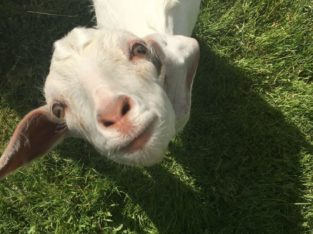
(147, 156)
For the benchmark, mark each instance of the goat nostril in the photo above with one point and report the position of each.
(107, 123)
(114, 112)
(125, 108)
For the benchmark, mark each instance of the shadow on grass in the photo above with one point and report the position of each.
(242, 154)
(28, 29)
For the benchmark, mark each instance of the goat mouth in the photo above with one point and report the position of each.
(139, 142)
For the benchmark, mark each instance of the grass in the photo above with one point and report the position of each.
(244, 163)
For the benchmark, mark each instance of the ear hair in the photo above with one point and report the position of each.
(170, 4)
(36, 134)
(74, 42)
(179, 56)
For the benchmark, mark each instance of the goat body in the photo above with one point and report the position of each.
(143, 17)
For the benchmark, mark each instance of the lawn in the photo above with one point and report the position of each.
(243, 164)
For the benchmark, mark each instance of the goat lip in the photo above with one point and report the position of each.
(140, 140)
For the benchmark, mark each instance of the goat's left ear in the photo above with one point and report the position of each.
(35, 135)
(179, 56)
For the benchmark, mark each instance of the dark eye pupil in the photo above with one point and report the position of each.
(139, 49)
(58, 110)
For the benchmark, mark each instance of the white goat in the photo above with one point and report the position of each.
(124, 86)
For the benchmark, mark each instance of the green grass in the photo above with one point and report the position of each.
(244, 163)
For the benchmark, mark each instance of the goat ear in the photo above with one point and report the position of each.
(36, 134)
(179, 56)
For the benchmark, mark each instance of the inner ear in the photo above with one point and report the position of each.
(35, 135)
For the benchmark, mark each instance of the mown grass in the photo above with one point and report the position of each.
(244, 163)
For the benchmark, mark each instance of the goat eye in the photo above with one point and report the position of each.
(58, 110)
(139, 50)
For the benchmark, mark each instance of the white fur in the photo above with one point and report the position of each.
(92, 65)
(144, 17)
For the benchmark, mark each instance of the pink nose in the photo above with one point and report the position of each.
(113, 112)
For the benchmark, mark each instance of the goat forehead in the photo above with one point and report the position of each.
(92, 71)
(97, 45)
(91, 63)
(101, 63)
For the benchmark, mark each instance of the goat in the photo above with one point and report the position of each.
(124, 86)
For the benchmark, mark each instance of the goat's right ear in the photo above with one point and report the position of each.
(35, 135)
(179, 56)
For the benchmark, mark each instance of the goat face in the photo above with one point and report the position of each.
(127, 96)
(111, 87)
